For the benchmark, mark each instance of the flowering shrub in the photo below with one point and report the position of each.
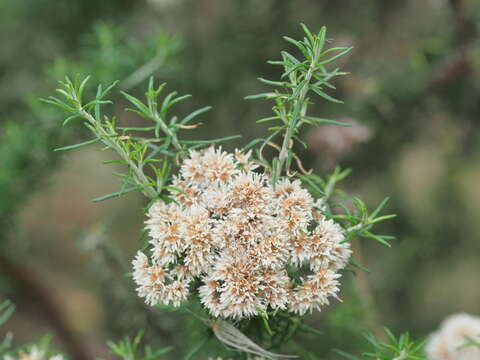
(236, 237)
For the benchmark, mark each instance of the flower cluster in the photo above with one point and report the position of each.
(253, 246)
(35, 353)
(450, 342)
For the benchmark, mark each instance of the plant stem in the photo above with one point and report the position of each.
(299, 110)
(139, 176)
(169, 133)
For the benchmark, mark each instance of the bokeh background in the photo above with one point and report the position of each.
(413, 97)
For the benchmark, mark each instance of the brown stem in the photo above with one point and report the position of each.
(32, 286)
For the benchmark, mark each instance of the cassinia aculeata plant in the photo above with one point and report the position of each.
(244, 234)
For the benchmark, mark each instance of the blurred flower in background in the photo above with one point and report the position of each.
(332, 143)
(456, 338)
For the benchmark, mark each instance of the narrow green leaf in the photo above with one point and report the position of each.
(75, 146)
(116, 194)
(274, 170)
(92, 103)
(155, 354)
(380, 239)
(329, 50)
(81, 88)
(335, 57)
(167, 100)
(138, 112)
(325, 121)
(291, 41)
(54, 101)
(148, 128)
(269, 95)
(140, 105)
(383, 218)
(292, 69)
(70, 118)
(306, 50)
(287, 55)
(179, 99)
(308, 33)
(6, 309)
(312, 184)
(275, 62)
(97, 107)
(194, 114)
(107, 90)
(267, 119)
(345, 355)
(321, 37)
(68, 95)
(380, 207)
(273, 83)
(325, 96)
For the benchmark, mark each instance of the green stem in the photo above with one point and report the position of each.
(299, 111)
(137, 169)
(169, 133)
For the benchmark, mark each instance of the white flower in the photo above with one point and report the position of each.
(448, 342)
(315, 291)
(175, 293)
(166, 227)
(294, 206)
(219, 166)
(243, 239)
(327, 249)
(35, 353)
(140, 268)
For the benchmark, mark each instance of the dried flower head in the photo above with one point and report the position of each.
(253, 246)
(234, 338)
(450, 341)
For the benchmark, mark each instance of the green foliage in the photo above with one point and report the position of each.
(6, 310)
(291, 95)
(129, 349)
(136, 152)
(352, 212)
(396, 348)
(21, 157)
(28, 131)
(111, 53)
(299, 79)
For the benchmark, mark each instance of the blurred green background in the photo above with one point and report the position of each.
(413, 97)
